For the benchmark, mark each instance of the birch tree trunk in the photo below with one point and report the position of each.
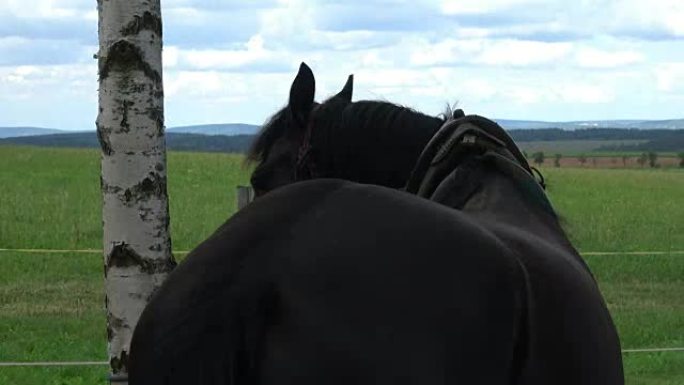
(130, 128)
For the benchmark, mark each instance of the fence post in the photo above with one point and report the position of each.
(245, 194)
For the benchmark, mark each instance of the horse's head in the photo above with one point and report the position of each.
(281, 149)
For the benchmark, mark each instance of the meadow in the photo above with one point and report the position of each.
(51, 305)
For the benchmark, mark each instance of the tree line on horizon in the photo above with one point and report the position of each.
(650, 158)
(657, 140)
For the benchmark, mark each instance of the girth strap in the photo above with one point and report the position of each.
(457, 138)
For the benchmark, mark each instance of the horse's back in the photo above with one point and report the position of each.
(331, 282)
(392, 289)
(335, 282)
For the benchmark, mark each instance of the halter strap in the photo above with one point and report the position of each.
(304, 166)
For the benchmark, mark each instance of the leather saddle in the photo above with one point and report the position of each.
(459, 139)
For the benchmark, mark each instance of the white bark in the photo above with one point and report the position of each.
(130, 127)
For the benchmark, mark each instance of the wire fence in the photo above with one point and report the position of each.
(104, 363)
(243, 201)
(184, 252)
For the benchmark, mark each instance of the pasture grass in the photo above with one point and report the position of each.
(51, 199)
(620, 210)
(51, 306)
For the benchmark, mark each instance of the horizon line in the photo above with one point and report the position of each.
(259, 125)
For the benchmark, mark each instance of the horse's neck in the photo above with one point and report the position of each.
(383, 156)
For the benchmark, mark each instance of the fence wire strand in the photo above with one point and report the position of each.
(103, 363)
(184, 252)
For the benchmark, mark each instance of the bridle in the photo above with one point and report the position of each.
(305, 168)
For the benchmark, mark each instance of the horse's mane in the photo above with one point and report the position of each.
(384, 117)
(272, 130)
(370, 137)
(342, 127)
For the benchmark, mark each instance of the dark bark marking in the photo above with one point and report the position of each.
(156, 114)
(144, 213)
(105, 144)
(122, 255)
(125, 57)
(147, 21)
(138, 88)
(128, 196)
(113, 323)
(125, 126)
(109, 189)
(119, 364)
(152, 186)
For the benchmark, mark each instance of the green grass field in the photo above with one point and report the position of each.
(51, 305)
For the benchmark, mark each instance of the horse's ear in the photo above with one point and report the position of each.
(346, 93)
(302, 93)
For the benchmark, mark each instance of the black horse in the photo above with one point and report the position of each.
(465, 277)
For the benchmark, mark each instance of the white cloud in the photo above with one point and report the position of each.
(456, 7)
(293, 20)
(504, 52)
(61, 96)
(595, 58)
(48, 9)
(252, 52)
(655, 15)
(516, 56)
(170, 56)
(670, 77)
(479, 89)
(522, 53)
(214, 86)
(192, 84)
(585, 93)
(654, 19)
(39, 80)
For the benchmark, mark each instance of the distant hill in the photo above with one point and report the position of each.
(11, 132)
(582, 124)
(228, 129)
(174, 141)
(545, 139)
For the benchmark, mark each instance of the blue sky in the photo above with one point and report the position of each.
(233, 61)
